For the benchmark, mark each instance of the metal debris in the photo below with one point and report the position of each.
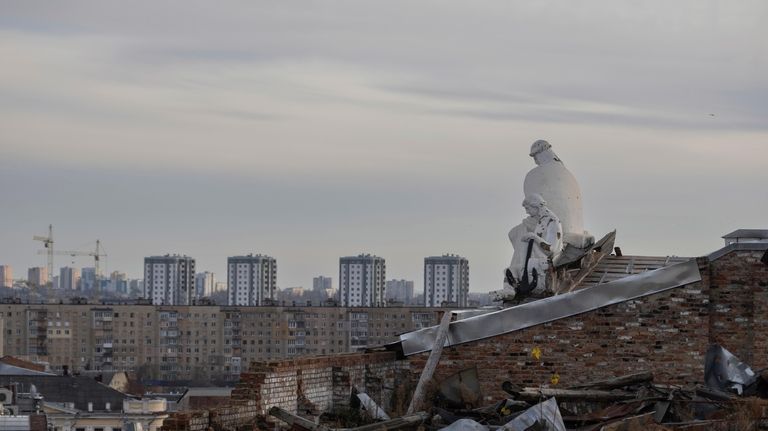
(553, 308)
(547, 414)
(725, 372)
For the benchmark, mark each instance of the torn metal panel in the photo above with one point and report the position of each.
(555, 307)
(725, 372)
(466, 314)
(546, 411)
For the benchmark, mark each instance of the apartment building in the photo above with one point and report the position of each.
(446, 281)
(6, 276)
(194, 342)
(400, 291)
(321, 283)
(251, 279)
(38, 276)
(69, 278)
(205, 284)
(361, 281)
(169, 279)
(88, 279)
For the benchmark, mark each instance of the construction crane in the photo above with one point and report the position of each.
(96, 254)
(48, 243)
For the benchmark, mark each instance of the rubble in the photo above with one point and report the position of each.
(626, 402)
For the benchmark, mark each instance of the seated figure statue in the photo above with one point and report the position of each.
(555, 183)
(536, 241)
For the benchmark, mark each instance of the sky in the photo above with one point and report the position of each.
(311, 130)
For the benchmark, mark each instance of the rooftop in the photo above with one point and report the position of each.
(68, 389)
(748, 233)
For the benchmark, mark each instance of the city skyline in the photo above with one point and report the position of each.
(313, 131)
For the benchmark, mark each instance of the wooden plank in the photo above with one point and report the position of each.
(295, 421)
(574, 394)
(431, 365)
(618, 382)
(589, 262)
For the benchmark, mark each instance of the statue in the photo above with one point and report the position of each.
(536, 241)
(556, 184)
(551, 241)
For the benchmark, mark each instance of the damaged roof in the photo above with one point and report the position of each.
(553, 308)
(612, 267)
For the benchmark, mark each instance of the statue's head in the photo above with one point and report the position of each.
(533, 204)
(542, 153)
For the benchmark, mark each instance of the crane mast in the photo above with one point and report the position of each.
(48, 243)
(96, 254)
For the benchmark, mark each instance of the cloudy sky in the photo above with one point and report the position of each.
(309, 130)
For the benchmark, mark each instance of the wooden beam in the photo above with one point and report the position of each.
(431, 365)
(295, 421)
(617, 382)
(590, 261)
(573, 394)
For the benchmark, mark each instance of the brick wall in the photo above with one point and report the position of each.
(316, 384)
(665, 333)
(235, 415)
(739, 293)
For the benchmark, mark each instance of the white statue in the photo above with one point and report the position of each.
(536, 241)
(557, 185)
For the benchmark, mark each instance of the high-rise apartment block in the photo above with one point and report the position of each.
(135, 288)
(361, 281)
(251, 279)
(88, 279)
(37, 276)
(169, 279)
(205, 284)
(446, 280)
(6, 276)
(322, 283)
(69, 278)
(118, 282)
(400, 290)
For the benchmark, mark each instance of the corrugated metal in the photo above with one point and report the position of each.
(14, 423)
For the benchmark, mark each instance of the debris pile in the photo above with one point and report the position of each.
(732, 397)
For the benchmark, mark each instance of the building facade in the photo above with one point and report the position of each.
(118, 283)
(169, 279)
(194, 342)
(251, 279)
(88, 279)
(37, 276)
(69, 278)
(446, 281)
(400, 291)
(361, 281)
(322, 283)
(6, 276)
(205, 284)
